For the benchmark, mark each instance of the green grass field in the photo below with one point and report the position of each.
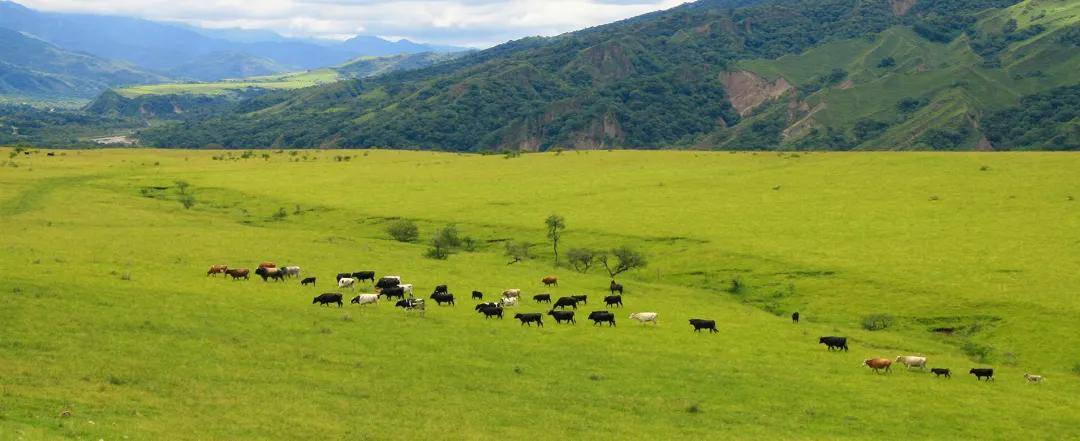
(105, 311)
(287, 81)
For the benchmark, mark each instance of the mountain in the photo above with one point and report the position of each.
(226, 64)
(33, 68)
(731, 74)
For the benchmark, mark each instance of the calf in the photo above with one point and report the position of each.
(613, 301)
(542, 298)
(795, 317)
(238, 273)
(911, 361)
(562, 316)
(366, 299)
(1034, 378)
(878, 363)
(530, 319)
(493, 311)
(328, 298)
(308, 281)
(939, 372)
(645, 317)
(599, 317)
(583, 299)
(550, 280)
(441, 298)
(441, 289)
(217, 269)
(616, 287)
(477, 295)
(364, 275)
(392, 292)
(838, 343)
(508, 302)
(411, 305)
(982, 373)
(700, 324)
(566, 301)
(347, 282)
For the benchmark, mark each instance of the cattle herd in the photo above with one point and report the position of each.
(563, 310)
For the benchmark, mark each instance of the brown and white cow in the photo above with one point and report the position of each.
(217, 269)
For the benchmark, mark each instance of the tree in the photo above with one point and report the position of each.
(446, 240)
(182, 186)
(403, 230)
(581, 258)
(625, 259)
(518, 251)
(555, 226)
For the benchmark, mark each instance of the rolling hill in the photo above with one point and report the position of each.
(766, 74)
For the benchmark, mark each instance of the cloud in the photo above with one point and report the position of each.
(477, 23)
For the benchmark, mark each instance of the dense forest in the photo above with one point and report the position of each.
(1045, 121)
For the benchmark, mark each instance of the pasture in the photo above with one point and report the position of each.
(110, 329)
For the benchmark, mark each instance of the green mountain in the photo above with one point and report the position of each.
(30, 67)
(226, 64)
(733, 74)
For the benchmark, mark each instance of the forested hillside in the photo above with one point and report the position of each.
(733, 74)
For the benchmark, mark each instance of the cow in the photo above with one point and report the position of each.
(271, 273)
(529, 319)
(493, 311)
(477, 295)
(511, 294)
(938, 372)
(700, 324)
(390, 293)
(328, 298)
(613, 300)
(441, 298)
(411, 305)
(837, 343)
(388, 282)
(343, 276)
(347, 282)
(565, 301)
(238, 273)
(562, 316)
(440, 289)
(508, 302)
(615, 287)
(795, 317)
(1034, 378)
(481, 306)
(583, 299)
(308, 281)
(268, 265)
(645, 317)
(291, 271)
(911, 361)
(542, 298)
(217, 269)
(980, 373)
(365, 299)
(599, 317)
(364, 275)
(878, 363)
(550, 281)
(408, 288)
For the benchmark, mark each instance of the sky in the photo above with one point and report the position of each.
(472, 23)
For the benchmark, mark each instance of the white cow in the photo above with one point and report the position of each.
(507, 302)
(645, 317)
(512, 294)
(366, 299)
(1034, 378)
(346, 282)
(291, 271)
(408, 288)
(912, 361)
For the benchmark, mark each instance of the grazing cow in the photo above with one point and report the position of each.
(441, 298)
(493, 311)
(511, 294)
(911, 361)
(616, 287)
(550, 280)
(238, 273)
(795, 317)
(542, 298)
(388, 282)
(700, 324)
(347, 282)
(838, 343)
(938, 372)
(481, 306)
(530, 319)
(408, 288)
(271, 273)
(613, 300)
(268, 265)
(582, 299)
(411, 305)
(599, 317)
(364, 275)
(878, 363)
(343, 276)
(328, 298)
(565, 301)
(562, 316)
(508, 302)
(1034, 378)
(645, 317)
(477, 295)
(308, 281)
(392, 292)
(291, 271)
(366, 299)
(441, 289)
(981, 373)
(217, 269)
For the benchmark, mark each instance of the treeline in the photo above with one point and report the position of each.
(30, 126)
(1044, 121)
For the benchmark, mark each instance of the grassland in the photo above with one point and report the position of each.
(277, 82)
(105, 311)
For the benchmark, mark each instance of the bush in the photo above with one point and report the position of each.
(978, 352)
(877, 322)
(444, 243)
(403, 230)
(188, 201)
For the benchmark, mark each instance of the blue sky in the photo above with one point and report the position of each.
(475, 23)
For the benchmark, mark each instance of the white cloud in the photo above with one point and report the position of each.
(477, 23)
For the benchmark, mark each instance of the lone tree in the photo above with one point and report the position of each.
(403, 230)
(581, 259)
(446, 240)
(622, 259)
(518, 251)
(555, 226)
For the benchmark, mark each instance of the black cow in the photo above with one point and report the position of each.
(941, 371)
(308, 281)
(700, 324)
(583, 299)
(564, 302)
(477, 295)
(980, 373)
(837, 343)
(493, 311)
(441, 289)
(795, 317)
(599, 317)
(394, 291)
(613, 300)
(441, 298)
(328, 298)
(361, 276)
(616, 287)
(562, 316)
(530, 319)
(480, 307)
(343, 276)
(387, 282)
(542, 298)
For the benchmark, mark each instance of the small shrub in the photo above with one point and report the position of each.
(980, 353)
(1076, 369)
(403, 230)
(188, 201)
(281, 214)
(182, 186)
(737, 286)
(877, 322)
(694, 408)
(125, 277)
(984, 168)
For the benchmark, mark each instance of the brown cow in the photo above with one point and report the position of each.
(268, 265)
(217, 269)
(550, 280)
(879, 363)
(238, 273)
